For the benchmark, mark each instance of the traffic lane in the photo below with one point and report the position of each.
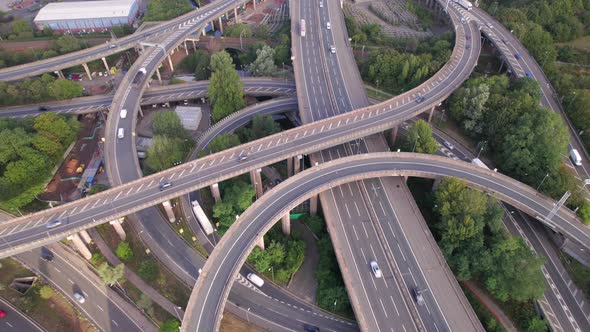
(219, 270)
(571, 308)
(411, 272)
(69, 278)
(15, 320)
(356, 232)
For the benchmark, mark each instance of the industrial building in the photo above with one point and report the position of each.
(87, 16)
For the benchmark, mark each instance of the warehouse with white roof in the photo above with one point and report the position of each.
(87, 16)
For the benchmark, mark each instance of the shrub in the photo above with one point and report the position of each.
(124, 251)
(46, 292)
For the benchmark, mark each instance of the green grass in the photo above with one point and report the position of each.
(579, 273)
(64, 316)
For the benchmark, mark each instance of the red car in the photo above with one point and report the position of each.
(2, 313)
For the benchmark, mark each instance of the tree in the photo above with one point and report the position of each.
(264, 64)
(537, 325)
(225, 87)
(419, 138)
(111, 275)
(171, 325)
(164, 10)
(148, 270)
(65, 89)
(198, 63)
(124, 251)
(168, 124)
(164, 153)
(46, 292)
(224, 142)
(237, 197)
(262, 32)
(468, 107)
(22, 28)
(55, 127)
(262, 126)
(67, 44)
(235, 30)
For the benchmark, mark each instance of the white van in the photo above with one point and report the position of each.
(575, 156)
(121, 133)
(123, 113)
(256, 280)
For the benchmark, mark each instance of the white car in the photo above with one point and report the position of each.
(79, 297)
(328, 26)
(376, 269)
(449, 145)
(321, 4)
(333, 49)
(489, 25)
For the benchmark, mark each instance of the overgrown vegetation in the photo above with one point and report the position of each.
(37, 90)
(171, 142)
(164, 10)
(29, 150)
(331, 293)
(467, 225)
(225, 87)
(527, 141)
(419, 138)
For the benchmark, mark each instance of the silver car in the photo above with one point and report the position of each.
(79, 297)
(418, 296)
(376, 269)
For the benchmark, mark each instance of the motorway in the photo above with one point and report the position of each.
(177, 92)
(15, 320)
(68, 272)
(324, 90)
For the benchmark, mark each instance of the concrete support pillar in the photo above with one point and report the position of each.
(118, 228)
(185, 48)
(85, 65)
(59, 74)
(260, 242)
(159, 75)
(170, 63)
(298, 160)
(236, 18)
(436, 183)
(82, 248)
(256, 180)
(140, 110)
(254, 2)
(289, 167)
(394, 134)
(220, 25)
(430, 114)
(106, 65)
(215, 192)
(203, 32)
(85, 236)
(313, 205)
(194, 45)
(286, 224)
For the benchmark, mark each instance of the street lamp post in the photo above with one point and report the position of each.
(248, 315)
(416, 142)
(540, 184)
(481, 149)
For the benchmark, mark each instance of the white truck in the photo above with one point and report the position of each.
(202, 218)
(575, 156)
(465, 4)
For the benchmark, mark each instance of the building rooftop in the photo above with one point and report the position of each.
(84, 10)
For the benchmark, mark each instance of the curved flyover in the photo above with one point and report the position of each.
(176, 92)
(93, 53)
(209, 295)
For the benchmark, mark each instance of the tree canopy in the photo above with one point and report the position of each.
(419, 138)
(225, 87)
(236, 197)
(264, 65)
(164, 10)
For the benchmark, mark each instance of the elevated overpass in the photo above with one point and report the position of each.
(176, 92)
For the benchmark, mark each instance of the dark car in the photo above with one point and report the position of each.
(311, 328)
(46, 255)
(529, 74)
(420, 99)
(277, 182)
(165, 185)
(517, 56)
(43, 108)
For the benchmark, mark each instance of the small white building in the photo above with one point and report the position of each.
(87, 16)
